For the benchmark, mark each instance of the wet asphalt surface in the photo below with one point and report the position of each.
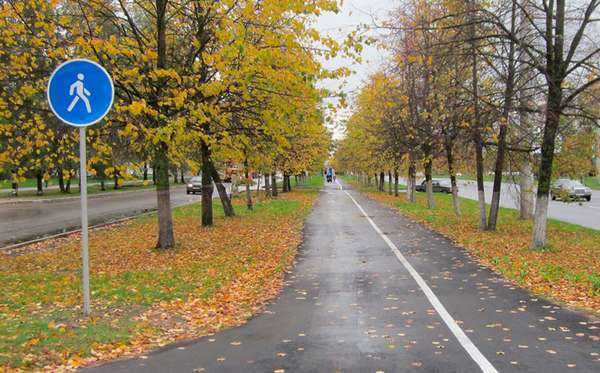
(350, 306)
(582, 213)
(23, 221)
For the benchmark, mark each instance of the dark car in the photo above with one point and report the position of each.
(194, 185)
(438, 185)
(570, 189)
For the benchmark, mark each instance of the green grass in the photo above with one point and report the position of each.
(314, 182)
(592, 182)
(311, 182)
(372, 188)
(40, 318)
(272, 207)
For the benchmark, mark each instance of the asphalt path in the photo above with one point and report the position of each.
(373, 292)
(22, 221)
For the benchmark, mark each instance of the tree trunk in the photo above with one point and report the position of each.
(496, 189)
(597, 153)
(102, 186)
(61, 180)
(480, 183)
(429, 185)
(145, 176)
(182, 177)
(40, 185)
(248, 191)
(289, 182)
(396, 182)
(274, 184)
(248, 197)
(412, 182)
(452, 173)
(526, 185)
(116, 180)
(382, 181)
(267, 185)
(207, 188)
(258, 181)
(389, 182)
(553, 112)
(68, 186)
(166, 239)
(526, 178)
(225, 200)
(508, 104)
(476, 128)
(284, 187)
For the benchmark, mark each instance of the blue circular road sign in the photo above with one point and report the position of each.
(80, 92)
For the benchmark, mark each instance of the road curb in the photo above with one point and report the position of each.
(93, 227)
(64, 234)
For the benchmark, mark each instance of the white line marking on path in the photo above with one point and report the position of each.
(462, 338)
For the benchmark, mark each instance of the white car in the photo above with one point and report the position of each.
(572, 189)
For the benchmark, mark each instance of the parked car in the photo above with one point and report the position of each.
(571, 189)
(194, 185)
(438, 185)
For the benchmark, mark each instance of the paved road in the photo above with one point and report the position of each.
(352, 305)
(583, 213)
(28, 220)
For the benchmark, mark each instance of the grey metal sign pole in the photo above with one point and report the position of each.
(80, 93)
(85, 254)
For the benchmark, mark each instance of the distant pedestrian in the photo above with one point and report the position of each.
(330, 175)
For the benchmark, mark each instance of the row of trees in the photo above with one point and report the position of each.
(198, 83)
(506, 80)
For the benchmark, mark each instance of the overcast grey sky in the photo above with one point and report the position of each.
(354, 13)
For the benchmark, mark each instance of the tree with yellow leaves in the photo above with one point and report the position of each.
(184, 72)
(33, 39)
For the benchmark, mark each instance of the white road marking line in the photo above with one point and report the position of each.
(338, 183)
(462, 338)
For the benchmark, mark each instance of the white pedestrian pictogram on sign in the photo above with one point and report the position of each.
(78, 88)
